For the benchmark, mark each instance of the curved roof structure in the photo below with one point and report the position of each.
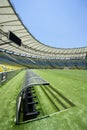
(10, 20)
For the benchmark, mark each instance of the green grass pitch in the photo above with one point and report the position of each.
(71, 83)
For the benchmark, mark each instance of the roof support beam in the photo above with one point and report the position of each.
(5, 6)
(17, 30)
(7, 14)
(3, 33)
(8, 21)
(4, 43)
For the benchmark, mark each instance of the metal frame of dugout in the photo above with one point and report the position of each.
(26, 103)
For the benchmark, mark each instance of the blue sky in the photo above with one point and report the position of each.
(57, 23)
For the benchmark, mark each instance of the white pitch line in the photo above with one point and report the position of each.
(59, 112)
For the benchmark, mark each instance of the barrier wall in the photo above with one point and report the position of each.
(5, 76)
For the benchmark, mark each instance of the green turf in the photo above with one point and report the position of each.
(44, 102)
(71, 83)
(8, 95)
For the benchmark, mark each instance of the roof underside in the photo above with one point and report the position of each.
(9, 20)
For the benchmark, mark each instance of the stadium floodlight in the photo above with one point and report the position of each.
(14, 38)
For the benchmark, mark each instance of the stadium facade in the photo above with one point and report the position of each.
(32, 53)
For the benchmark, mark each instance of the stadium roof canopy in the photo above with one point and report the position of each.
(10, 20)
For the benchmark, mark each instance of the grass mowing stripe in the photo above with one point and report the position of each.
(56, 107)
(54, 101)
(44, 102)
(62, 104)
(62, 96)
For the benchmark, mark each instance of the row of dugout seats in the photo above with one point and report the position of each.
(29, 105)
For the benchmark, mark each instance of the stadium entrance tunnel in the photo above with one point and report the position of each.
(38, 99)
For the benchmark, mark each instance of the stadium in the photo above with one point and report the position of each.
(41, 87)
